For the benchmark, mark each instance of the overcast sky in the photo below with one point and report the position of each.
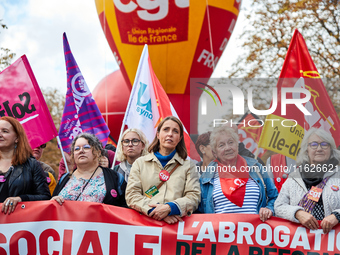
(35, 28)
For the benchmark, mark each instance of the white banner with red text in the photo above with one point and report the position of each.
(45, 227)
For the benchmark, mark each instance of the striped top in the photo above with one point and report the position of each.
(223, 205)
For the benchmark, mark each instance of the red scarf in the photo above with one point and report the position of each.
(232, 185)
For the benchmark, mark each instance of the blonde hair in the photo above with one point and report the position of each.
(120, 155)
(220, 130)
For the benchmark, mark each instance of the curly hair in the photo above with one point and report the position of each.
(94, 142)
(219, 130)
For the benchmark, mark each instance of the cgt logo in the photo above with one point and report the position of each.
(152, 10)
(238, 100)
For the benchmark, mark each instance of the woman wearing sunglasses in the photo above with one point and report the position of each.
(311, 192)
(133, 145)
(89, 181)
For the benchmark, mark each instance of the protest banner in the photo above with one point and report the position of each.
(81, 113)
(45, 227)
(22, 99)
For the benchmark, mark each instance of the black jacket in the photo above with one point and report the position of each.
(28, 182)
(113, 182)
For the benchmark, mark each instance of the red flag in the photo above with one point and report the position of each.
(299, 72)
(22, 99)
(165, 109)
(250, 132)
(149, 104)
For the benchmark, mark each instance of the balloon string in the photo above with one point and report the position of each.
(210, 37)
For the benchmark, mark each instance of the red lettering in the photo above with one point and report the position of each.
(2, 240)
(113, 243)
(90, 237)
(139, 243)
(43, 241)
(67, 242)
(30, 240)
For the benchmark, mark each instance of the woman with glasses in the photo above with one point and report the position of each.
(21, 176)
(133, 145)
(89, 181)
(311, 192)
(164, 184)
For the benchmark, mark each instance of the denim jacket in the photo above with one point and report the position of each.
(268, 191)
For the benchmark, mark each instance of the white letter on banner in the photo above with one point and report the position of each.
(180, 234)
(206, 226)
(268, 235)
(284, 238)
(317, 240)
(300, 233)
(241, 232)
(338, 241)
(331, 236)
(223, 231)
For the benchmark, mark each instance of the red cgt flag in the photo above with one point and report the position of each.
(250, 133)
(299, 72)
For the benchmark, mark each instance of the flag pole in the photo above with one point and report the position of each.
(62, 153)
(145, 50)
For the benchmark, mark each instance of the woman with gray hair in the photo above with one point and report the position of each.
(235, 184)
(133, 145)
(311, 192)
(89, 181)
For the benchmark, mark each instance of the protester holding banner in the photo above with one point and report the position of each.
(21, 176)
(203, 148)
(235, 184)
(90, 181)
(133, 145)
(311, 192)
(164, 184)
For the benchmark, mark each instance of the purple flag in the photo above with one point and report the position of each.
(81, 113)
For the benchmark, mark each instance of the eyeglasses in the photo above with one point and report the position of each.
(315, 145)
(134, 142)
(43, 146)
(85, 147)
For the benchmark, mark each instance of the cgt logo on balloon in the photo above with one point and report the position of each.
(171, 21)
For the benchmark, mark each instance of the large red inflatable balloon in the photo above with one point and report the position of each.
(112, 95)
(185, 39)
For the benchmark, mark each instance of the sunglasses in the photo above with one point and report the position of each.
(43, 146)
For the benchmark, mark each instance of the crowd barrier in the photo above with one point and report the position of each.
(82, 228)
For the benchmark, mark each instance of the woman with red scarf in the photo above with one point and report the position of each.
(235, 184)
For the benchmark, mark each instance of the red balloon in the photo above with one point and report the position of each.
(112, 95)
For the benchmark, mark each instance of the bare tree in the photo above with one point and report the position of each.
(6, 56)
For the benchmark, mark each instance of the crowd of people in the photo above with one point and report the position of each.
(160, 181)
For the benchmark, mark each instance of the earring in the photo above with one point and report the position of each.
(15, 145)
